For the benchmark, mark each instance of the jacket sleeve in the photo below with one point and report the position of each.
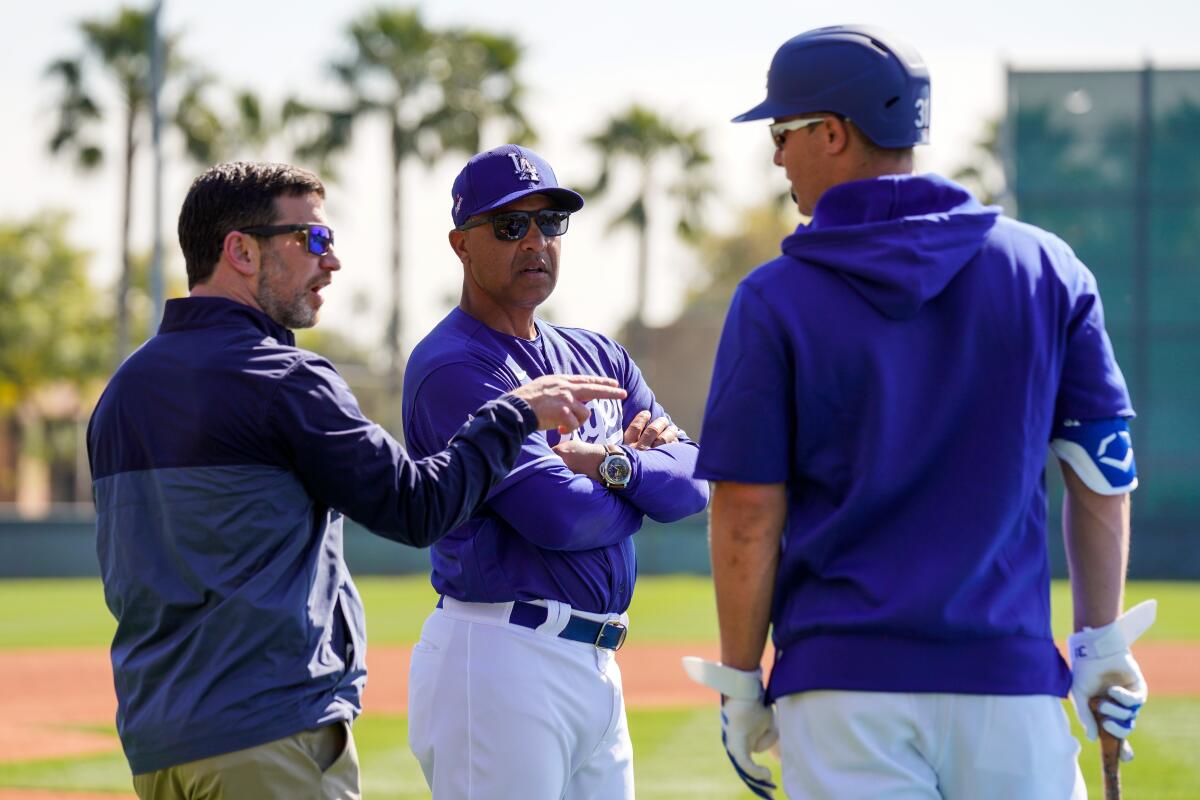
(353, 465)
(540, 498)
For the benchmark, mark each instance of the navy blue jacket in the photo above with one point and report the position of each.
(223, 458)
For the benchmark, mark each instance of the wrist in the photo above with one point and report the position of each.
(528, 415)
(595, 457)
(615, 470)
(1114, 638)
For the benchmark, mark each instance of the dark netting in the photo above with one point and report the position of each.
(1110, 161)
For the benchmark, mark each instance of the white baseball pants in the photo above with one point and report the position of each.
(496, 710)
(893, 746)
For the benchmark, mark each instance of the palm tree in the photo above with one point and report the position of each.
(435, 90)
(983, 172)
(642, 136)
(120, 47)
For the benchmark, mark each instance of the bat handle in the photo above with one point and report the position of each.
(1110, 751)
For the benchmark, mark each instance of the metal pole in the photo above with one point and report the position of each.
(1142, 199)
(1007, 143)
(156, 81)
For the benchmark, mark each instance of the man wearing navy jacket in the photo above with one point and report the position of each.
(882, 401)
(223, 459)
(514, 690)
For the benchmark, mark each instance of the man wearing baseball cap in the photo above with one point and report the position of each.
(513, 689)
(907, 361)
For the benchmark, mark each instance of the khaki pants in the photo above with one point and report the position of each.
(319, 764)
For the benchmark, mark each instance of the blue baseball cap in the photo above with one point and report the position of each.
(877, 80)
(500, 176)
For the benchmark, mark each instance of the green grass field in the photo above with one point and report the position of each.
(677, 751)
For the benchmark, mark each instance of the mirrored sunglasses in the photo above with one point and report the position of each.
(511, 226)
(318, 239)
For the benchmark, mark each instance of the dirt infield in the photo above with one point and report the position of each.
(54, 794)
(47, 693)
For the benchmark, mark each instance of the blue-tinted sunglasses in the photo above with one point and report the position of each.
(318, 238)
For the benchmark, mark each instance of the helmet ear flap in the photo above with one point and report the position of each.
(876, 80)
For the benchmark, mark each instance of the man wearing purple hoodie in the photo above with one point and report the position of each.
(882, 402)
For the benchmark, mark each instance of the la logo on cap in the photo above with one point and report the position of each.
(524, 170)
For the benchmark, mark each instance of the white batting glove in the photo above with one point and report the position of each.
(747, 723)
(1100, 661)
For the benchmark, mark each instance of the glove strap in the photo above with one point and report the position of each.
(1117, 636)
(733, 683)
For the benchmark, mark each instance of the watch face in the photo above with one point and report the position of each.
(617, 469)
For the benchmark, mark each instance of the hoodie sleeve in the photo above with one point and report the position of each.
(749, 420)
(1092, 385)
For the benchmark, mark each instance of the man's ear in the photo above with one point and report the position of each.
(242, 252)
(458, 243)
(837, 135)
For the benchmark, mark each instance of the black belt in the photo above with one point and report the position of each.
(607, 635)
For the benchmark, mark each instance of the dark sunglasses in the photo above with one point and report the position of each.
(511, 226)
(317, 238)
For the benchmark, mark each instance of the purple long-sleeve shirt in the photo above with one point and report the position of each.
(544, 531)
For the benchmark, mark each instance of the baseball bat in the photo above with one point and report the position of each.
(1110, 746)
(1110, 754)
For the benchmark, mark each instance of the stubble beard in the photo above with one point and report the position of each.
(291, 311)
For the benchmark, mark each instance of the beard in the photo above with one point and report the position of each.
(287, 306)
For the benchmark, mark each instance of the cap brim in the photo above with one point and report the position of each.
(565, 199)
(765, 110)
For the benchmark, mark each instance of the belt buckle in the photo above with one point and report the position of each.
(611, 623)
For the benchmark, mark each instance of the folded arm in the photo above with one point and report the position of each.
(662, 486)
(556, 509)
(541, 498)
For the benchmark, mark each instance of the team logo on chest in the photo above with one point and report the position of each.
(524, 170)
(604, 425)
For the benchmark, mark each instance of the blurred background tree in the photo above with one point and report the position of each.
(726, 258)
(641, 136)
(51, 329)
(983, 170)
(436, 90)
(55, 350)
(118, 49)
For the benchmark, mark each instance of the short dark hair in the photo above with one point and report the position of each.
(872, 148)
(230, 196)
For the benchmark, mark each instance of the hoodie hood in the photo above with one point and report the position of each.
(897, 240)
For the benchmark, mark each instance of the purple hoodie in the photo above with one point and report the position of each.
(900, 368)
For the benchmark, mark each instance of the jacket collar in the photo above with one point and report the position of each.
(190, 313)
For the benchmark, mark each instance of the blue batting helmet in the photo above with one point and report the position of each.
(877, 81)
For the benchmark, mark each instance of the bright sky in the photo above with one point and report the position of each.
(697, 63)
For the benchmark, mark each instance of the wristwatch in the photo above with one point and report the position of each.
(615, 469)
